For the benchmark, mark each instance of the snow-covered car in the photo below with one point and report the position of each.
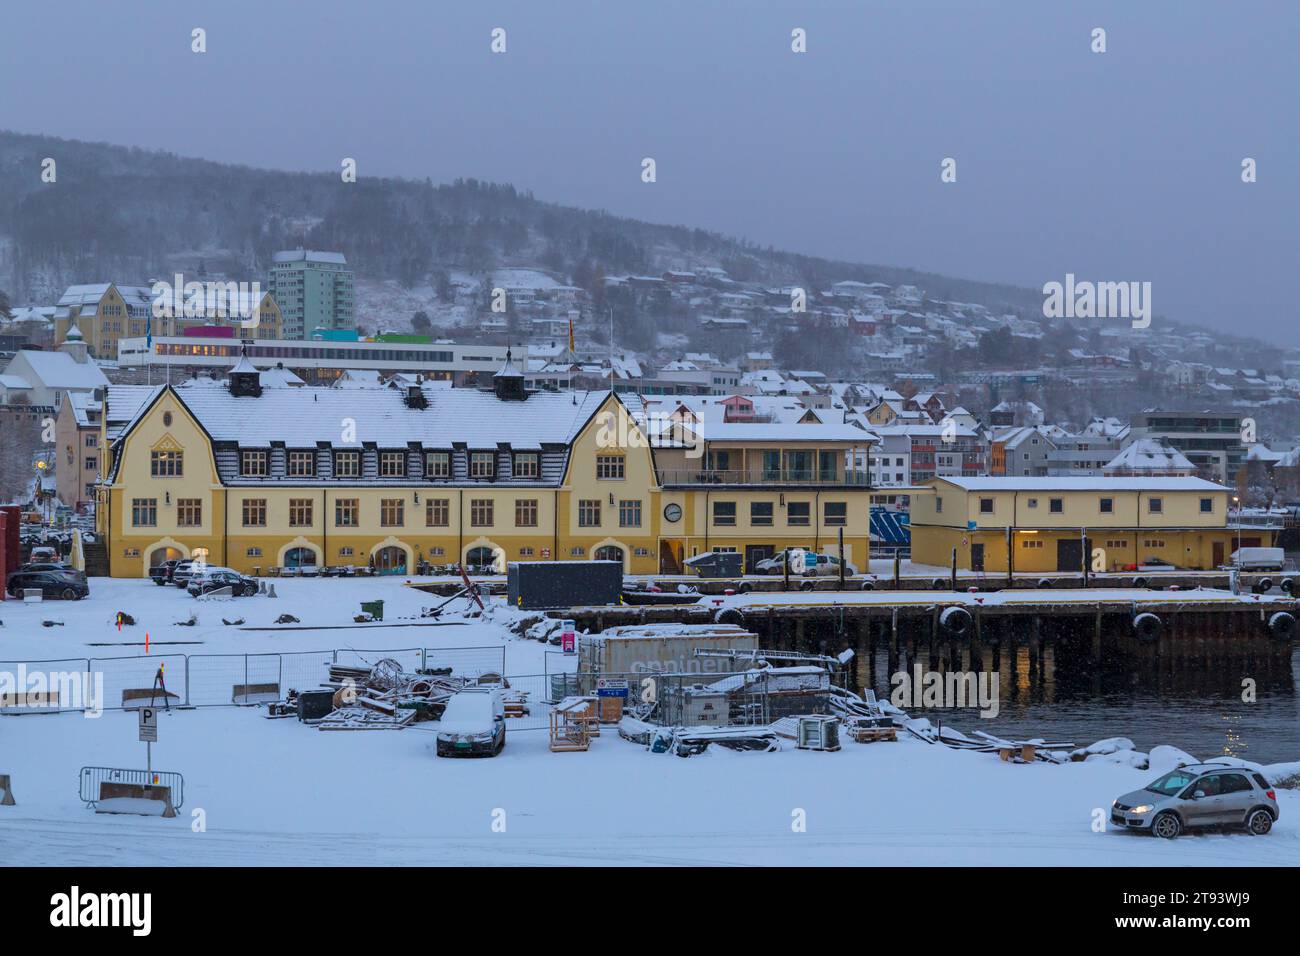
(473, 723)
(1200, 795)
(213, 579)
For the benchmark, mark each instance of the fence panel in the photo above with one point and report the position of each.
(66, 684)
(411, 658)
(532, 692)
(137, 673)
(92, 777)
(467, 661)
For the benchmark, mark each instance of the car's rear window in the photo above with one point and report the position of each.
(1259, 779)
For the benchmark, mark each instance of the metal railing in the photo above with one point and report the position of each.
(92, 777)
(220, 680)
(763, 476)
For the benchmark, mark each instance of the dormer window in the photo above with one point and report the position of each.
(526, 465)
(437, 464)
(253, 463)
(392, 464)
(347, 464)
(302, 464)
(482, 464)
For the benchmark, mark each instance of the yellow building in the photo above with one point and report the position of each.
(106, 313)
(275, 477)
(1047, 524)
(759, 487)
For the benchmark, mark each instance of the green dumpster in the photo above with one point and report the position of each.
(374, 608)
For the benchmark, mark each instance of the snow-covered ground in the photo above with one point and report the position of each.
(279, 792)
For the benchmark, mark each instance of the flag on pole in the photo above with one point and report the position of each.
(570, 335)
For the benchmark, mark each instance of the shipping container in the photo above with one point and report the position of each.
(537, 585)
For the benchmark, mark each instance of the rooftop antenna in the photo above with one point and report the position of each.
(611, 348)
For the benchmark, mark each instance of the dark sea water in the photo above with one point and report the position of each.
(1199, 710)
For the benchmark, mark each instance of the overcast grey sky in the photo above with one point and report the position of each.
(1116, 166)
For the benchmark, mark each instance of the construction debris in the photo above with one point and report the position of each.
(237, 621)
(287, 619)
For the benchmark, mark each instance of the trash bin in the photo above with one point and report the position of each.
(374, 608)
(717, 564)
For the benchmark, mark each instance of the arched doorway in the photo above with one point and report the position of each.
(609, 552)
(482, 557)
(390, 560)
(159, 555)
(300, 558)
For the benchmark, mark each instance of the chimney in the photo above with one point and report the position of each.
(415, 397)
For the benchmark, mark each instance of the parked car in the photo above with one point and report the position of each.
(812, 565)
(1150, 564)
(1201, 795)
(776, 563)
(473, 723)
(212, 579)
(65, 584)
(185, 568)
(42, 554)
(161, 574)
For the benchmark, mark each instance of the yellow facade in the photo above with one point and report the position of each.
(113, 320)
(147, 517)
(1183, 522)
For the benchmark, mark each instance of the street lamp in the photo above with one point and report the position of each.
(1236, 502)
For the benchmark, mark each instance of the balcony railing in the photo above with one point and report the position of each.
(763, 476)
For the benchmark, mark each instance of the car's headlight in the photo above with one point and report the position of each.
(1145, 808)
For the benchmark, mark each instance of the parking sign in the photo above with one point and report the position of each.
(148, 725)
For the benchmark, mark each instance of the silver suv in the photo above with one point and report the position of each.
(1200, 795)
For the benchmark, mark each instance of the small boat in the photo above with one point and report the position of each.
(660, 597)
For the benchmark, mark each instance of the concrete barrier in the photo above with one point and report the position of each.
(33, 595)
(254, 693)
(135, 798)
(133, 698)
(6, 791)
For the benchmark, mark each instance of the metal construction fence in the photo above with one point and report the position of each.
(222, 680)
(90, 779)
(210, 680)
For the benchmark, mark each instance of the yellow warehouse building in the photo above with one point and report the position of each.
(1048, 524)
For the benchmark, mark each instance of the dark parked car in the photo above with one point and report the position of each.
(216, 578)
(161, 574)
(68, 585)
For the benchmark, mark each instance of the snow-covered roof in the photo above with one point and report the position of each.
(1150, 454)
(782, 432)
(60, 370)
(1128, 483)
(305, 417)
(310, 255)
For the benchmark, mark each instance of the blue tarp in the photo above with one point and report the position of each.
(890, 527)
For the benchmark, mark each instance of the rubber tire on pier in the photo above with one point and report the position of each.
(939, 584)
(868, 585)
(1147, 626)
(1140, 582)
(1046, 583)
(955, 621)
(729, 615)
(745, 587)
(807, 585)
(1287, 586)
(1263, 586)
(1282, 625)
